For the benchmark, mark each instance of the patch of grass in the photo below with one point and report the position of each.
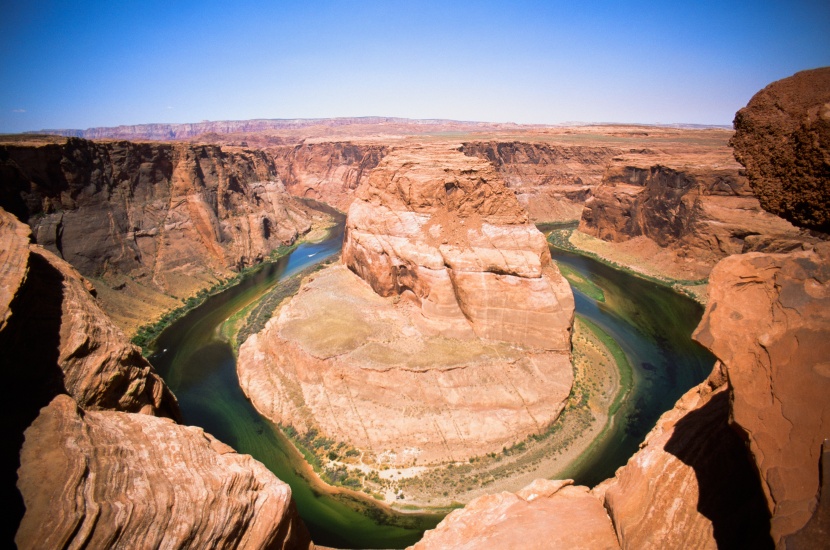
(585, 286)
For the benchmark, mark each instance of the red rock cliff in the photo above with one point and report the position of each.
(151, 220)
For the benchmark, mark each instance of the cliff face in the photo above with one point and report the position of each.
(550, 181)
(705, 214)
(768, 321)
(442, 227)
(89, 457)
(327, 171)
(153, 221)
(782, 137)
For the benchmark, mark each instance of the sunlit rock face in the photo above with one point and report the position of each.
(152, 223)
(442, 228)
(768, 321)
(448, 335)
(104, 479)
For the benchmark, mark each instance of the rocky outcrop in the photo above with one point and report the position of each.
(707, 495)
(442, 228)
(768, 322)
(782, 137)
(108, 479)
(53, 322)
(327, 171)
(705, 214)
(551, 182)
(153, 221)
(458, 346)
(545, 514)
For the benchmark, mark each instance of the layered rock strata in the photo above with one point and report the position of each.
(453, 342)
(108, 479)
(703, 215)
(552, 182)
(151, 221)
(327, 171)
(93, 472)
(545, 514)
(443, 229)
(782, 137)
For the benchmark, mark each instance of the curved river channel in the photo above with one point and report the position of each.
(651, 323)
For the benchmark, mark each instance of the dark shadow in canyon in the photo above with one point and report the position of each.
(29, 345)
(730, 489)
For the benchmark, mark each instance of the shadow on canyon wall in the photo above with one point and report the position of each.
(730, 490)
(32, 377)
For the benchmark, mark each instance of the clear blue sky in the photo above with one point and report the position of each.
(80, 64)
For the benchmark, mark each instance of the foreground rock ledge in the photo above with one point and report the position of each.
(108, 479)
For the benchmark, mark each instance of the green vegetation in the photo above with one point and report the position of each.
(146, 335)
(623, 366)
(585, 286)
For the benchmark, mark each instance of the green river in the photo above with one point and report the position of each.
(651, 323)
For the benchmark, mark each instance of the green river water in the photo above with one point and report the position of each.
(651, 323)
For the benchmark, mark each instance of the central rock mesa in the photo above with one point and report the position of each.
(455, 343)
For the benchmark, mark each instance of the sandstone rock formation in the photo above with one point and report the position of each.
(154, 222)
(458, 345)
(782, 137)
(692, 484)
(543, 515)
(53, 322)
(703, 215)
(115, 480)
(768, 321)
(346, 362)
(442, 228)
(328, 171)
(552, 182)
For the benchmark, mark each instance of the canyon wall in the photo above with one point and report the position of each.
(551, 182)
(91, 410)
(326, 171)
(705, 214)
(151, 223)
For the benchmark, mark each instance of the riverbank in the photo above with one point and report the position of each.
(640, 257)
(601, 379)
(146, 335)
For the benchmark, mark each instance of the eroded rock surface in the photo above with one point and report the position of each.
(552, 182)
(768, 322)
(455, 342)
(703, 215)
(545, 514)
(152, 223)
(782, 137)
(692, 484)
(441, 227)
(327, 171)
(344, 361)
(108, 479)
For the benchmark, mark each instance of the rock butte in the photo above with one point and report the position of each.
(458, 345)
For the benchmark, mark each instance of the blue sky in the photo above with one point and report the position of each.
(84, 64)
